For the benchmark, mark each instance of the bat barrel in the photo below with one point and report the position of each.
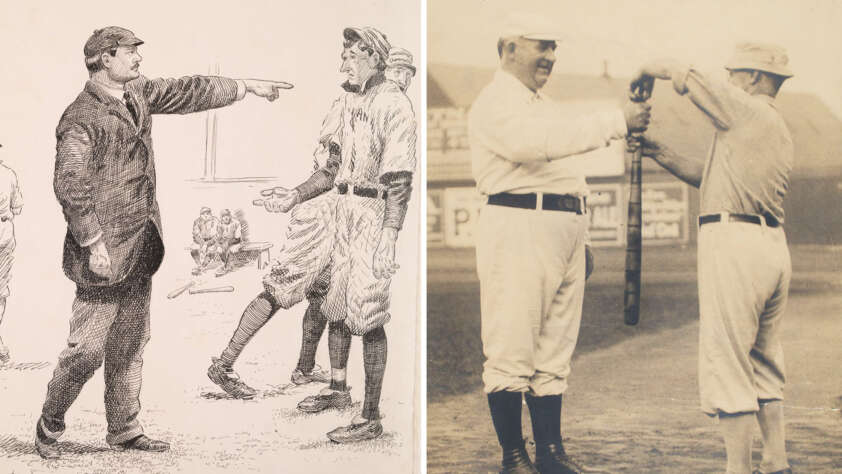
(631, 297)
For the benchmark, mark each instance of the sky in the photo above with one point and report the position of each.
(628, 33)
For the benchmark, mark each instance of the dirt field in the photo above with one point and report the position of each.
(209, 432)
(632, 405)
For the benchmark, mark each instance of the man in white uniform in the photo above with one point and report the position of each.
(531, 238)
(744, 266)
(11, 203)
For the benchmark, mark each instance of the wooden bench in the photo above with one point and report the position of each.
(262, 248)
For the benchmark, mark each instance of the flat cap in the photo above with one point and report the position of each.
(530, 26)
(205, 210)
(399, 57)
(371, 37)
(108, 38)
(760, 57)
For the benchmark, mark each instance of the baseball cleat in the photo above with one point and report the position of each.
(327, 398)
(229, 381)
(782, 471)
(143, 443)
(4, 354)
(516, 461)
(300, 378)
(356, 432)
(46, 447)
(551, 458)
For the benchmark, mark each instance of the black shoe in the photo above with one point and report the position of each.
(516, 461)
(46, 447)
(143, 443)
(551, 459)
(229, 381)
(782, 471)
(326, 399)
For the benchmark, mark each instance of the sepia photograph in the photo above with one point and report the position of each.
(633, 234)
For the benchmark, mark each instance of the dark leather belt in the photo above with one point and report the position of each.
(749, 218)
(361, 191)
(549, 202)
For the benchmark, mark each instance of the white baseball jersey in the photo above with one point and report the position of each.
(378, 138)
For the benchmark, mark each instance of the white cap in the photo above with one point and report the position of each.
(531, 26)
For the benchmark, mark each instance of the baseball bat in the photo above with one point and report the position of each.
(218, 289)
(631, 300)
(181, 289)
(634, 250)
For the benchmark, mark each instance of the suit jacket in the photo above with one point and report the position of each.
(105, 168)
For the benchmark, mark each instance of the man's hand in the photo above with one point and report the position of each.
(279, 199)
(384, 265)
(588, 262)
(267, 89)
(637, 115)
(99, 261)
(648, 146)
(643, 81)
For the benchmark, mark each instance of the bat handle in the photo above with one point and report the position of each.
(631, 297)
(257, 202)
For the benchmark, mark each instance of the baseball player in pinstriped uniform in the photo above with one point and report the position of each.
(373, 183)
(744, 266)
(531, 238)
(300, 271)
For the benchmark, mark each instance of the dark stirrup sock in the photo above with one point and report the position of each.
(546, 418)
(375, 350)
(506, 409)
(254, 317)
(339, 346)
(313, 326)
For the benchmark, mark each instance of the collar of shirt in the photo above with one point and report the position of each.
(116, 93)
(514, 88)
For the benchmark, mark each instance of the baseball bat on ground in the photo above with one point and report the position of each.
(218, 289)
(181, 289)
(634, 250)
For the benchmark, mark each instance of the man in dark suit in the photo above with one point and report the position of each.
(105, 183)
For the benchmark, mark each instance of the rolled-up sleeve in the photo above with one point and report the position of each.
(718, 99)
(539, 131)
(188, 94)
(72, 185)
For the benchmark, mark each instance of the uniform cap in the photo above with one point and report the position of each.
(225, 212)
(370, 37)
(531, 26)
(760, 57)
(399, 57)
(108, 38)
(205, 210)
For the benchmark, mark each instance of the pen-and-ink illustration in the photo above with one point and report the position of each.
(325, 229)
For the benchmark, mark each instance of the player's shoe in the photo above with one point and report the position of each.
(229, 381)
(316, 375)
(327, 398)
(782, 471)
(143, 443)
(196, 270)
(360, 429)
(551, 458)
(516, 461)
(46, 447)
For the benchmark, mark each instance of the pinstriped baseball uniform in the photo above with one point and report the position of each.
(531, 263)
(744, 269)
(302, 267)
(378, 139)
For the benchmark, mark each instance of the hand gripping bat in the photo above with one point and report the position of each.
(631, 297)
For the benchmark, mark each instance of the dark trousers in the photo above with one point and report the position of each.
(110, 325)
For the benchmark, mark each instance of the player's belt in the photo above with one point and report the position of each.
(361, 191)
(549, 202)
(770, 221)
